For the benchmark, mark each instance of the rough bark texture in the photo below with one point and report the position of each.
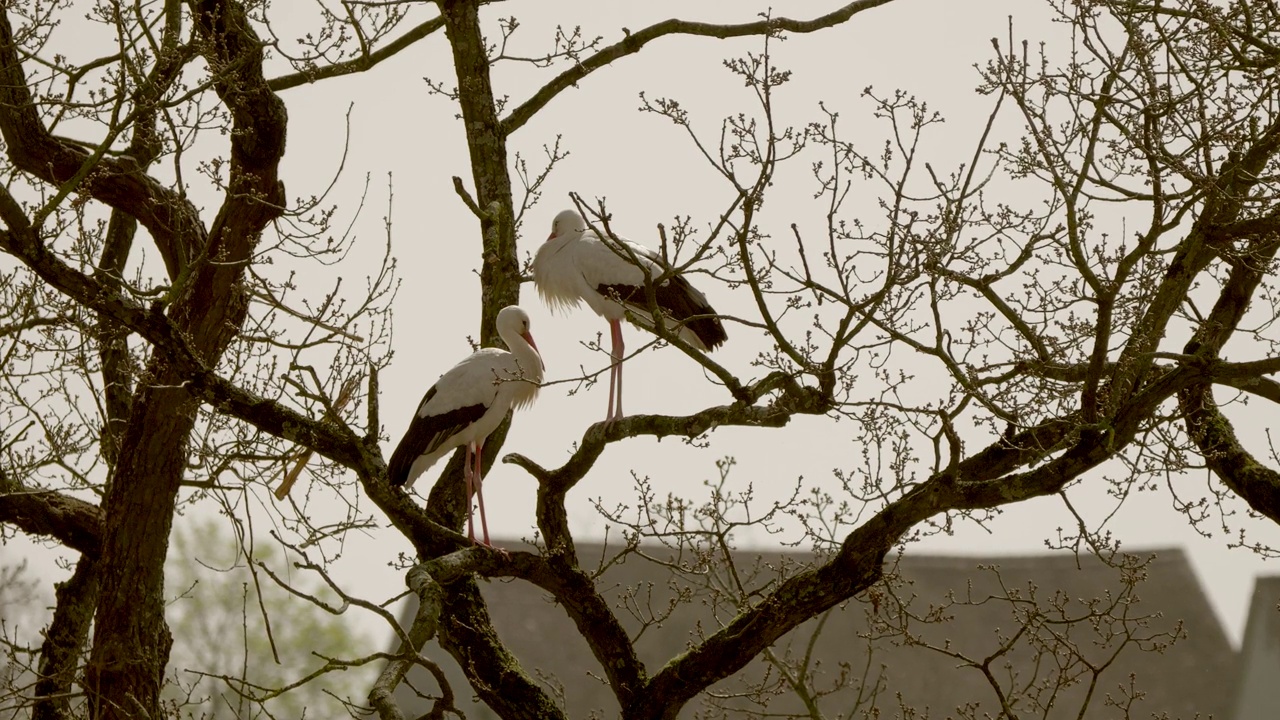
(499, 268)
(71, 521)
(64, 641)
(131, 640)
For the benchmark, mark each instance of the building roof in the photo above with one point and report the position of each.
(963, 607)
(1258, 696)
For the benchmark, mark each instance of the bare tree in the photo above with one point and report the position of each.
(104, 426)
(1083, 326)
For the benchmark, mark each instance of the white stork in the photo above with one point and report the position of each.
(466, 404)
(575, 264)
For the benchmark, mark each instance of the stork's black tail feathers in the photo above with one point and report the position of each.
(681, 302)
(687, 302)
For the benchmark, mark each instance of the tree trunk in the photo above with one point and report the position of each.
(500, 270)
(131, 641)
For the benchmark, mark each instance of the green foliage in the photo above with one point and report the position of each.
(230, 623)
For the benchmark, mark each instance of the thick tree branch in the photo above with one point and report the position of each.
(634, 42)
(113, 338)
(331, 439)
(1225, 371)
(596, 623)
(71, 521)
(423, 628)
(210, 304)
(553, 485)
(490, 172)
(467, 634)
(1223, 453)
(466, 630)
(607, 639)
(131, 641)
(1257, 484)
(572, 588)
(978, 482)
(600, 435)
(1205, 240)
(1260, 386)
(64, 640)
(335, 442)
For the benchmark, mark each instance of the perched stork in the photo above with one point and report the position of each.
(466, 404)
(575, 264)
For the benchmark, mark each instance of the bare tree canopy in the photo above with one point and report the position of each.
(1088, 296)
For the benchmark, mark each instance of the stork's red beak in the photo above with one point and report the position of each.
(529, 339)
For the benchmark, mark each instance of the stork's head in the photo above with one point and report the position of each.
(568, 223)
(513, 322)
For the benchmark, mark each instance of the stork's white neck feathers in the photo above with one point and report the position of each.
(513, 328)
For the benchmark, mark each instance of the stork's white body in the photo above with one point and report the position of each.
(468, 403)
(576, 265)
(490, 378)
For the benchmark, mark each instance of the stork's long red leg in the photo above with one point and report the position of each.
(479, 475)
(620, 353)
(615, 372)
(466, 473)
(613, 364)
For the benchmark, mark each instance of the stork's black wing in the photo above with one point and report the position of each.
(427, 434)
